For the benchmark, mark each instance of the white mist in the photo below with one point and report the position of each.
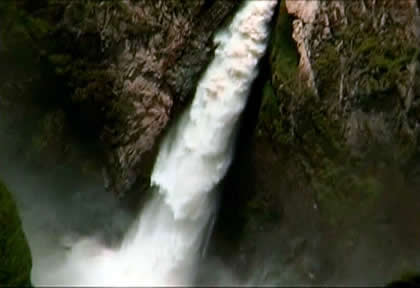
(163, 247)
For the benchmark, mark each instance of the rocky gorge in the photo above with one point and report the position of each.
(326, 162)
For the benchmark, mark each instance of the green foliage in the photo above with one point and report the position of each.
(61, 62)
(371, 63)
(15, 257)
(284, 56)
(19, 27)
(52, 54)
(283, 64)
(326, 67)
(343, 189)
(269, 120)
(359, 66)
(283, 53)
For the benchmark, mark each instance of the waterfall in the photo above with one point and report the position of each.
(164, 245)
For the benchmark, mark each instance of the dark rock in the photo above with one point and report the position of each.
(125, 68)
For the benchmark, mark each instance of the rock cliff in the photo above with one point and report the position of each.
(332, 172)
(336, 144)
(124, 68)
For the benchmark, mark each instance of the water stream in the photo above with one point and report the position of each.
(164, 245)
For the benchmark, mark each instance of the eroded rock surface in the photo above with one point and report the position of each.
(156, 66)
(337, 151)
(350, 77)
(125, 68)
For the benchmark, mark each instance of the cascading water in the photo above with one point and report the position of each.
(163, 246)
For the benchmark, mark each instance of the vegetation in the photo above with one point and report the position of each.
(381, 63)
(356, 67)
(359, 68)
(283, 54)
(53, 86)
(283, 64)
(15, 256)
(408, 280)
(342, 188)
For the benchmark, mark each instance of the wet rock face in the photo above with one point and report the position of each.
(350, 91)
(153, 52)
(350, 80)
(360, 59)
(339, 116)
(121, 69)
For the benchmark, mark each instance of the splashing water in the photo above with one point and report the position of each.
(164, 245)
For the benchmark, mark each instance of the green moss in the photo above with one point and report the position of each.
(40, 53)
(283, 53)
(373, 63)
(269, 122)
(366, 45)
(344, 188)
(61, 62)
(283, 64)
(326, 68)
(15, 257)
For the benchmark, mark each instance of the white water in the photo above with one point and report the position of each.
(164, 245)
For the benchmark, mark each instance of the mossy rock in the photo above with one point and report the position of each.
(283, 60)
(345, 189)
(283, 53)
(15, 256)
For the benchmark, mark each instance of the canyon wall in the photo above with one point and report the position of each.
(336, 146)
(123, 69)
(335, 155)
